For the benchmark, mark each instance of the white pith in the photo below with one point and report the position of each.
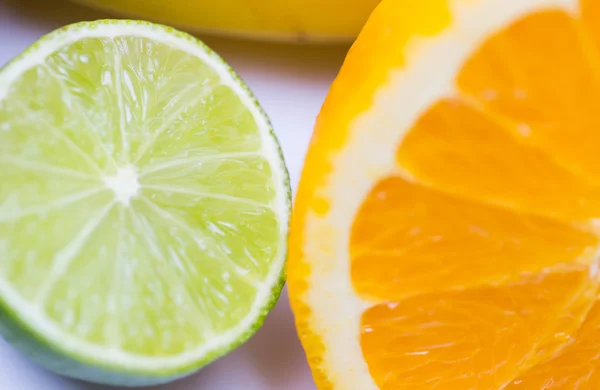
(369, 156)
(125, 187)
(124, 184)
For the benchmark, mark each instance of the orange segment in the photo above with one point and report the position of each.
(541, 74)
(448, 150)
(577, 367)
(474, 339)
(590, 14)
(408, 239)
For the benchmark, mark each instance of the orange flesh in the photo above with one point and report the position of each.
(458, 149)
(477, 262)
(577, 367)
(473, 339)
(426, 241)
(542, 74)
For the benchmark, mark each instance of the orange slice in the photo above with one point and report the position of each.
(446, 234)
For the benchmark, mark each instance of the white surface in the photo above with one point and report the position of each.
(290, 83)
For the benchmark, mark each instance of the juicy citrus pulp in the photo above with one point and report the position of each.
(143, 203)
(445, 233)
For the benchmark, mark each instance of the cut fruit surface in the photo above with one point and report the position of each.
(445, 233)
(143, 204)
(477, 338)
(469, 244)
(575, 367)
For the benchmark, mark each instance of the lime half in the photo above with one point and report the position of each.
(144, 204)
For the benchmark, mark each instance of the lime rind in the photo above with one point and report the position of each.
(52, 356)
(31, 333)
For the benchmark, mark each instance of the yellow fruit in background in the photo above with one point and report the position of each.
(282, 20)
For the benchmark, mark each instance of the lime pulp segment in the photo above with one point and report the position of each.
(144, 201)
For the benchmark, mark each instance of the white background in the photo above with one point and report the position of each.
(291, 83)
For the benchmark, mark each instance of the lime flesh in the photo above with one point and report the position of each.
(144, 204)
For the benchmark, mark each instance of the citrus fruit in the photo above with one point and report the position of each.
(290, 20)
(445, 232)
(143, 204)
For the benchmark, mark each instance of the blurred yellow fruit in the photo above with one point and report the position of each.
(285, 20)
